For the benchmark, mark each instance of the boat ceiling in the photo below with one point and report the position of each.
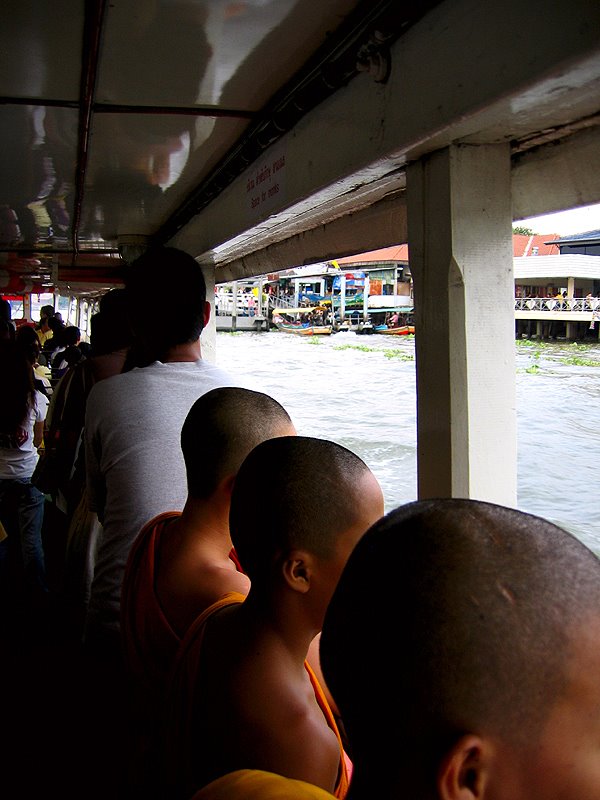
(132, 121)
(123, 119)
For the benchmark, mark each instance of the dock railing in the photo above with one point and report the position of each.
(569, 304)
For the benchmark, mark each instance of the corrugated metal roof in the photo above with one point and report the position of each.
(587, 236)
(566, 266)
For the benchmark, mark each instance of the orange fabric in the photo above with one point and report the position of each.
(341, 787)
(149, 641)
(182, 685)
(181, 688)
(251, 784)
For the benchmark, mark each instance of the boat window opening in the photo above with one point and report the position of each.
(16, 307)
(39, 300)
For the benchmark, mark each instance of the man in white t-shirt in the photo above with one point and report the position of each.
(134, 465)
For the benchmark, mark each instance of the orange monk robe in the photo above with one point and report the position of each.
(251, 784)
(150, 643)
(183, 684)
(149, 640)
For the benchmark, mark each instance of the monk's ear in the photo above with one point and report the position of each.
(464, 771)
(297, 570)
(206, 314)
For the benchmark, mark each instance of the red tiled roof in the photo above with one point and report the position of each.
(524, 245)
(397, 253)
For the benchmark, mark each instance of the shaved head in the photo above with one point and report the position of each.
(310, 493)
(221, 428)
(462, 612)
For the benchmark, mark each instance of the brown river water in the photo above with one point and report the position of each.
(360, 392)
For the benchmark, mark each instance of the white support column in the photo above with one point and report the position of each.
(366, 298)
(342, 298)
(234, 306)
(539, 329)
(460, 245)
(259, 304)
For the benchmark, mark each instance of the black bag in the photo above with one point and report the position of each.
(46, 474)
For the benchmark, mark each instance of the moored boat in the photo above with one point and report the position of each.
(400, 330)
(302, 321)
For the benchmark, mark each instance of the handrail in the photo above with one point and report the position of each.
(572, 304)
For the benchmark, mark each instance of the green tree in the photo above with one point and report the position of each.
(523, 230)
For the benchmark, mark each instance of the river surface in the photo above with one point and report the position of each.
(359, 391)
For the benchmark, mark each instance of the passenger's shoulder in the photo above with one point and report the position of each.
(257, 784)
(210, 366)
(41, 400)
(110, 387)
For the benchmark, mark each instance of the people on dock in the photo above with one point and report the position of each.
(560, 298)
(242, 694)
(465, 666)
(590, 302)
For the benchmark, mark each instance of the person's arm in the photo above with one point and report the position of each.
(38, 433)
(40, 418)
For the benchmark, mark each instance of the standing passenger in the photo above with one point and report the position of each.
(474, 676)
(9, 327)
(475, 673)
(109, 341)
(183, 562)
(133, 422)
(242, 694)
(135, 471)
(22, 414)
(44, 331)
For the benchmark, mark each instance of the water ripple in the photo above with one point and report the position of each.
(360, 392)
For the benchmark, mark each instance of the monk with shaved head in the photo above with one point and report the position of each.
(243, 696)
(183, 562)
(475, 672)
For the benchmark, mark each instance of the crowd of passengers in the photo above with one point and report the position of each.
(321, 648)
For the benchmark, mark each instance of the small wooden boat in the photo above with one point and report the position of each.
(303, 321)
(401, 330)
(304, 329)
